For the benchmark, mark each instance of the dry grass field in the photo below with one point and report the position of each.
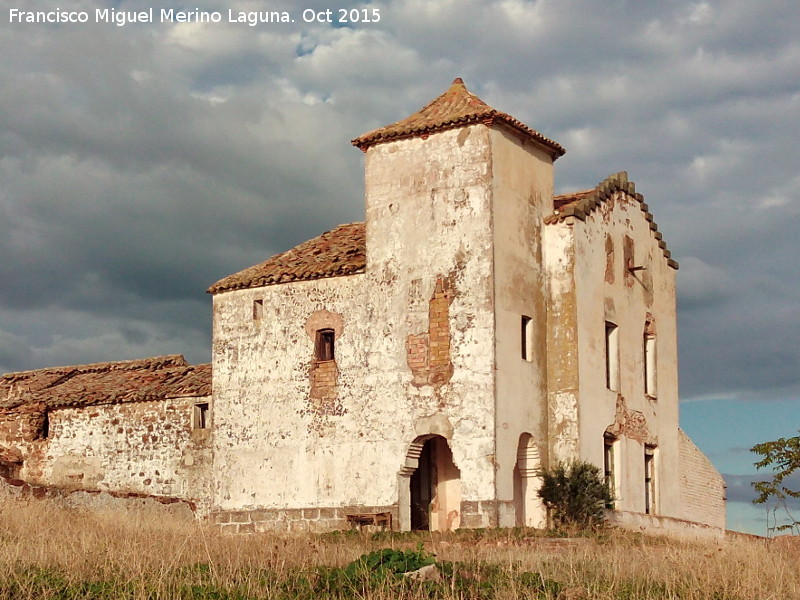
(47, 552)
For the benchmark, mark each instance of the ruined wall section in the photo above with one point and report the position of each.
(522, 197)
(19, 431)
(430, 265)
(702, 488)
(145, 448)
(623, 278)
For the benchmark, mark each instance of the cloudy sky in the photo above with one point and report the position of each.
(141, 163)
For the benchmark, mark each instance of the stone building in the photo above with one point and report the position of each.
(418, 368)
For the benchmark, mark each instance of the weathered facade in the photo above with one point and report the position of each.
(419, 368)
(132, 428)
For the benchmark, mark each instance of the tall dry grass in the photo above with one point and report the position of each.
(48, 552)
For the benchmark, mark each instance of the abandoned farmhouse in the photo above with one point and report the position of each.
(417, 368)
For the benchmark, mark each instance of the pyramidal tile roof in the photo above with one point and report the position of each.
(340, 251)
(457, 107)
(582, 204)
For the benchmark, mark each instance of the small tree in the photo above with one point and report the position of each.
(783, 456)
(575, 494)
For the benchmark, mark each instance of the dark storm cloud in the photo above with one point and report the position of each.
(140, 164)
(740, 488)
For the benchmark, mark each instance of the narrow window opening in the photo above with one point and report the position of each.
(200, 419)
(612, 357)
(44, 432)
(649, 480)
(258, 310)
(650, 363)
(526, 343)
(325, 343)
(608, 468)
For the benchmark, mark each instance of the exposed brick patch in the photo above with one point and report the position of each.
(630, 424)
(428, 354)
(324, 380)
(323, 371)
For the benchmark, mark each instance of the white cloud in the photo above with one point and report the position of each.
(139, 164)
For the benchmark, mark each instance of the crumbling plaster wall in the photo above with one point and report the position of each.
(614, 237)
(522, 197)
(562, 344)
(20, 428)
(276, 446)
(428, 226)
(136, 447)
(428, 216)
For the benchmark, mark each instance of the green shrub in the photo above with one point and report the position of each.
(575, 494)
(377, 570)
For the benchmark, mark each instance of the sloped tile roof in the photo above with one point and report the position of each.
(582, 204)
(340, 251)
(457, 107)
(105, 383)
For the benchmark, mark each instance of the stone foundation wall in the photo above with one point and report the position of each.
(474, 514)
(295, 520)
(668, 526)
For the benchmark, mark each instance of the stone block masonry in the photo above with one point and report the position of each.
(294, 520)
(474, 514)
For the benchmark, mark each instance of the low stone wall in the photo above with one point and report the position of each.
(474, 514)
(477, 514)
(297, 520)
(668, 526)
(98, 501)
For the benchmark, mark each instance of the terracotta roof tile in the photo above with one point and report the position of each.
(564, 199)
(105, 383)
(457, 107)
(340, 251)
(582, 204)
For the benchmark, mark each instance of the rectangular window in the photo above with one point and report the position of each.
(325, 344)
(258, 309)
(650, 365)
(200, 418)
(649, 480)
(608, 468)
(526, 342)
(612, 357)
(44, 432)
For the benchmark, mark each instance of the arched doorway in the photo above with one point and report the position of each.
(530, 512)
(434, 485)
